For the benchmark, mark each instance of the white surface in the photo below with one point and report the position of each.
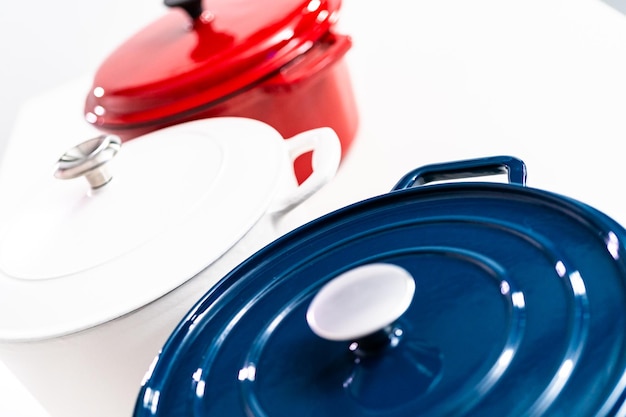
(360, 302)
(542, 80)
(45, 44)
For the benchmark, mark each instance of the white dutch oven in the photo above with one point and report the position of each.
(94, 275)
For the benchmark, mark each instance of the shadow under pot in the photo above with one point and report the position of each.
(447, 299)
(283, 65)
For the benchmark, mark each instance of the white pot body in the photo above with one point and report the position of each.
(97, 370)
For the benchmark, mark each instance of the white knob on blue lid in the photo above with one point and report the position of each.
(361, 302)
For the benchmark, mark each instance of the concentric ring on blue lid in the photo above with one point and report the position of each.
(519, 310)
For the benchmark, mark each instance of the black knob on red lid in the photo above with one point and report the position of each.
(192, 7)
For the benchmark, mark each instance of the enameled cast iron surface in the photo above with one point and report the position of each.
(519, 310)
(237, 58)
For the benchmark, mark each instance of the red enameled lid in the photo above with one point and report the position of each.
(200, 52)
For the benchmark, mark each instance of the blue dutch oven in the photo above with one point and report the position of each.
(452, 299)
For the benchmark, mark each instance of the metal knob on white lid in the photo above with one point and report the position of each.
(89, 159)
(361, 302)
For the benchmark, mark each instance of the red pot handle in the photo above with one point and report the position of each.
(328, 50)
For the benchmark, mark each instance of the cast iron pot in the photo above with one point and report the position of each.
(282, 64)
(453, 299)
(95, 275)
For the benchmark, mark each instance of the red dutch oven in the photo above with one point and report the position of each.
(281, 64)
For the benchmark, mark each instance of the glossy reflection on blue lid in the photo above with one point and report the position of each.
(519, 310)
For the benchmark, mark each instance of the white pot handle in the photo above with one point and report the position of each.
(326, 149)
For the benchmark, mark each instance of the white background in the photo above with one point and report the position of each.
(435, 80)
(45, 44)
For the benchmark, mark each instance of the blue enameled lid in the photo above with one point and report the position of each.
(517, 307)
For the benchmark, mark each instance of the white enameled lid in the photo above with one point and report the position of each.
(179, 198)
